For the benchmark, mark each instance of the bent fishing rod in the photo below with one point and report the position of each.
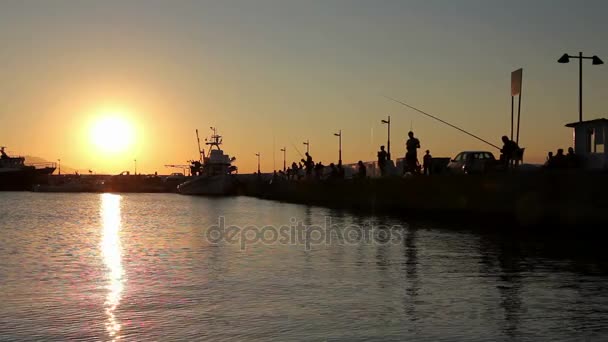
(442, 121)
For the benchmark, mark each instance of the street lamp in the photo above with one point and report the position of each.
(284, 150)
(307, 143)
(59, 165)
(135, 164)
(595, 60)
(388, 143)
(339, 135)
(258, 155)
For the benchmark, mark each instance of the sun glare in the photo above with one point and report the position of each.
(112, 134)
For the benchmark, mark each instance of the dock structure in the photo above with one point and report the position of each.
(565, 198)
(591, 143)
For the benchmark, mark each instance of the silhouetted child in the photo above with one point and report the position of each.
(426, 162)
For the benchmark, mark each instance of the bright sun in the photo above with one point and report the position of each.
(112, 134)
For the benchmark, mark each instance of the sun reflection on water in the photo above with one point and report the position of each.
(111, 251)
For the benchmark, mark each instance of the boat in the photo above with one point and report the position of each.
(213, 174)
(15, 175)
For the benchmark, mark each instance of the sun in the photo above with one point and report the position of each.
(112, 134)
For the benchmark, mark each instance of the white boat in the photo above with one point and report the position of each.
(213, 174)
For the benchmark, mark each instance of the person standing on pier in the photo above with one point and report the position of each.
(310, 165)
(362, 170)
(426, 162)
(382, 156)
(411, 156)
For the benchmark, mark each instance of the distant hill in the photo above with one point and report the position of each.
(65, 169)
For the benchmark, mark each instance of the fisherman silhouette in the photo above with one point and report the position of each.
(411, 157)
(509, 150)
(309, 163)
(426, 162)
(382, 156)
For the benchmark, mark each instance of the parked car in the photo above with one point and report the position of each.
(472, 162)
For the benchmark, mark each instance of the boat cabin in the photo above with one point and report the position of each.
(590, 142)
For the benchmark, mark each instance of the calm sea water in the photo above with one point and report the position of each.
(159, 267)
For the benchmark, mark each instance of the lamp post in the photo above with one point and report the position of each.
(595, 61)
(284, 150)
(388, 143)
(135, 165)
(258, 155)
(307, 143)
(339, 135)
(59, 165)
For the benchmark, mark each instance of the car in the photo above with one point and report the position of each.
(472, 162)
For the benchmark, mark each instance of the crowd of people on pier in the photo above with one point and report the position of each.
(510, 156)
(306, 168)
(563, 161)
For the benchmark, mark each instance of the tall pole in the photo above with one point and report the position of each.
(565, 58)
(580, 86)
(518, 112)
(59, 165)
(388, 143)
(512, 116)
(339, 135)
(258, 155)
(284, 149)
(135, 164)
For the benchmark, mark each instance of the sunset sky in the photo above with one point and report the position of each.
(270, 74)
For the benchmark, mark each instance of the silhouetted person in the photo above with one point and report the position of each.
(572, 159)
(426, 162)
(333, 174)
(309, 163)
(4, 155)
(559, 161)
(411, 156)
(509, 150)
(549, 161)
(319, 170)
(361, 170)
(382, 157)
(340, 171)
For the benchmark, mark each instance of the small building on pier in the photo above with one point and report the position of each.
(591, 143)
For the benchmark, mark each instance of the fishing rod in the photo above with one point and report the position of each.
(442, 121)
(296, 148)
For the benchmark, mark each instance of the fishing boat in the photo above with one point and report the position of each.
(213, 174)
(15, 175)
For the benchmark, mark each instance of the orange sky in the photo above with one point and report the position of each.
(273, 74)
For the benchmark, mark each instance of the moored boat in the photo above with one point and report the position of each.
(15, 175)
(213, 174)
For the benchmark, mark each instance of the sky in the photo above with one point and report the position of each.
(273, 73)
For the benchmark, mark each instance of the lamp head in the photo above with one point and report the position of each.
(564, 59)
(596, 60)
(384, 121)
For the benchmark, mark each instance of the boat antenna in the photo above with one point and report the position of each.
(442, 121)
(201, 153)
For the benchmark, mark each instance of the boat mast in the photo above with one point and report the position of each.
(201, 153)
(216, 140)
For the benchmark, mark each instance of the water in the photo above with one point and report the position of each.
(151, 267)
